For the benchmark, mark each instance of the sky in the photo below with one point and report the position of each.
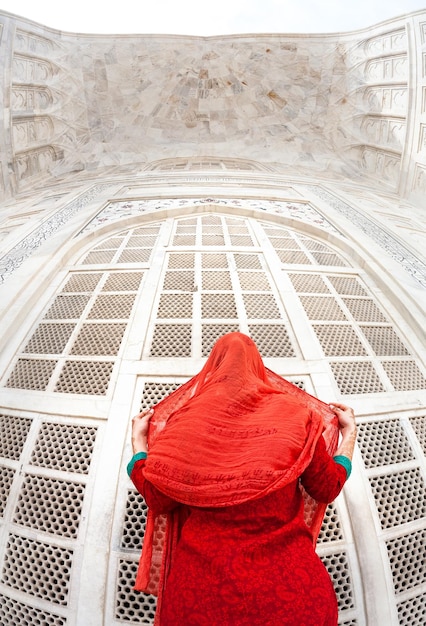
(209, 17)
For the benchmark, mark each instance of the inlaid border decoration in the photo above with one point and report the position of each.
(394, 248)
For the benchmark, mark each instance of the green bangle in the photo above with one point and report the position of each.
(346, 462)
(139, 456)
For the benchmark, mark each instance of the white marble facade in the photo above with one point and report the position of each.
(159, 191)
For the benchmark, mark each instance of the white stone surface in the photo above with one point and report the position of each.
(318, 140)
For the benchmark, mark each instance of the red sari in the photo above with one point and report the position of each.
(230, 532)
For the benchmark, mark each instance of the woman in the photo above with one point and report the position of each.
(237, 479)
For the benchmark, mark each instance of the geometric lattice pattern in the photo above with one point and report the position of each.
(134, 521)
(65, 447)
(356, 377)
(407, 560)
(216, 280)
(412, 611)
(50, 505)
(419, 427)
(225, 288)
(46, 514)
(338, 568)
(398, 487)
(38, 568)
(13, 434)
(406, 491)
(293, 248)
(132, 606)
(74, 324)
(14, 612)
(331, 529)
(383, 443)
(349, 323)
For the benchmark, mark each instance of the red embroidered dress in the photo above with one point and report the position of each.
(233, 455)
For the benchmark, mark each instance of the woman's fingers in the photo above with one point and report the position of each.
(144, 413)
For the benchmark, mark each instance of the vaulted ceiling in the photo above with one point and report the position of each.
(336, 106)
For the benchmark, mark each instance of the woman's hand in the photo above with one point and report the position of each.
(347, 425)
(345, 415)
(140, 425)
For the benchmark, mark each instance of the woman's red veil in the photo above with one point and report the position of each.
(234, 432)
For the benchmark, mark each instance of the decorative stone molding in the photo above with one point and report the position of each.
(31, 130)
(387, 99)
(27, 41)
(30, 98)
(389, 42)
(11, 261)
(115, 211)
(31, 70)
(411, 263)
(32, 162)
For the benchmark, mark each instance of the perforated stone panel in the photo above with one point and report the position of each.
(14, 613)
(272, 340)
(404, 375)
(44, 524)
(50, 339)
(67, 307)
(204, 284)
(82, 281)
(259, 305)
(98, 339)
(66, 447)
(50, 505)
(419, 427)
(216, 280)
(338, 567)
(130, 605)
(134, 521)
(171, 340)
(184, 280)
(87, 318)
(87, 336)
(6, 479)
(293, 248)
(13, 434)
(412, 611)
(31, 374)
(407, 560)
(384, 340)
(353, 378)
(38, 568)
(85, 377)
(383, 443)
(322, 308)
(364, 310)
(407, 493)
(398, 488)
(331, 529)
(339, 340)
(309, 283)
(175, 305)
(112, 306)
(154, 392)
(212, 332)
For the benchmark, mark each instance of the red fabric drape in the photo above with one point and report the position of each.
(234, 432)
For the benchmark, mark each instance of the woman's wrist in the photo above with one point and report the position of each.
(347, 444)
(139, 445)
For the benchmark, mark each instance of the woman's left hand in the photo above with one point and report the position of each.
(140, 425)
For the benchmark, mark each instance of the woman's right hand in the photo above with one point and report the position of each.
(140, 425)
(345, 415)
